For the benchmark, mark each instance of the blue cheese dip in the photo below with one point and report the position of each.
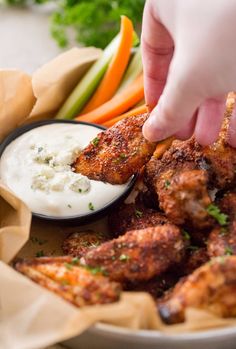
(36, 166)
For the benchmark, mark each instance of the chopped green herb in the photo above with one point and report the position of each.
(223, 231)
(193, 248)
(229, 251)
(38, 241)
(138, 213)
(123, 156)
(40, 254)
(95, 141)
(91, 207)
(69, 205)
(124, 258)
(75, 261)
(68, 266)
(185, 235)
(167, 183)
(215, 212)
(40, 149)
(96, 270)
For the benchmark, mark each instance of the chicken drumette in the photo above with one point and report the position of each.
(117, 153)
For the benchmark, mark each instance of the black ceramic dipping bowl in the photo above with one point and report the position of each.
(78, 219)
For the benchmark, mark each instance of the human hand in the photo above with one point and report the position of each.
(189, 59)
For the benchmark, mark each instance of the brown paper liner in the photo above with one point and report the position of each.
(31, 316)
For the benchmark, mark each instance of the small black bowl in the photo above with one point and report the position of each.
(78, 219)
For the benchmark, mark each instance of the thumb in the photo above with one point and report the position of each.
(176, 106)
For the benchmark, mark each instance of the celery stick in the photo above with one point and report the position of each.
(87, 85)
(134, 69)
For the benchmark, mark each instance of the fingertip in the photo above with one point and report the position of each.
(150, 130)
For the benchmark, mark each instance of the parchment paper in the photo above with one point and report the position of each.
(32, 317)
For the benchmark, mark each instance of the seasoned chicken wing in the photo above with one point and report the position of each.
(211, 287)
(117, 153)
(139, 254)
(133, 217)
(184, 175)
(65, 277)
(76, 244)
(222, 239)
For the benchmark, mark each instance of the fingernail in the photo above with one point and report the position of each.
(151, 131)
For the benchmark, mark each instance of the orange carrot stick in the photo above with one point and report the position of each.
(120, 103)
(136, 111)
(116, 69)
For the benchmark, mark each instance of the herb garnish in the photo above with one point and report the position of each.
(68, 266)
(69, 205)
(95, 141)
(215, 212)
(38, 241)
(138, 213)
(167, 183)
(229, 251)
(90, 206)
(185, 234)
(124, 258)
(40, 254)
(193, 248)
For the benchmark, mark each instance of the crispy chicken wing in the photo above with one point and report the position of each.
(65, 277)
(78, 243)
(139, 254)
(184, 175)
(133, 217)
(222, 239)
(211, 287)
(117, 153)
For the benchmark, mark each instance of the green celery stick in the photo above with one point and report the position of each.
(87, 85)
(134, 69)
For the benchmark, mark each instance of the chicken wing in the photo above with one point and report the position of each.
(139, 254)
(211, 287)
(222, 239)
(117, 153)
(184, 175)
(65, 277)
(133, 217)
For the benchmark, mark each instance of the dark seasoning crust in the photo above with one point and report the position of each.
(175, 240)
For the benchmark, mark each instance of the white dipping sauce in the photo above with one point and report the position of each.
(36, 167)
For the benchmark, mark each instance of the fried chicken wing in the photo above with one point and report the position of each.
(195, 259)
(211, 287)
(139, 254)
(222, 239)
(117, 153)
(78, 243)
(184, 175)
(65, 277)
(133, 217)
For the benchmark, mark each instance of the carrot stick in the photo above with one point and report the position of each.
(116, 69)
(136, 111)
(117, 105)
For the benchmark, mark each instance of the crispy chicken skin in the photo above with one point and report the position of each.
(139, 254)
(222, 239)
(65, 277)
(133, 217)
(211, 287)
(78, 243)
(195, 259)
(117, 153)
